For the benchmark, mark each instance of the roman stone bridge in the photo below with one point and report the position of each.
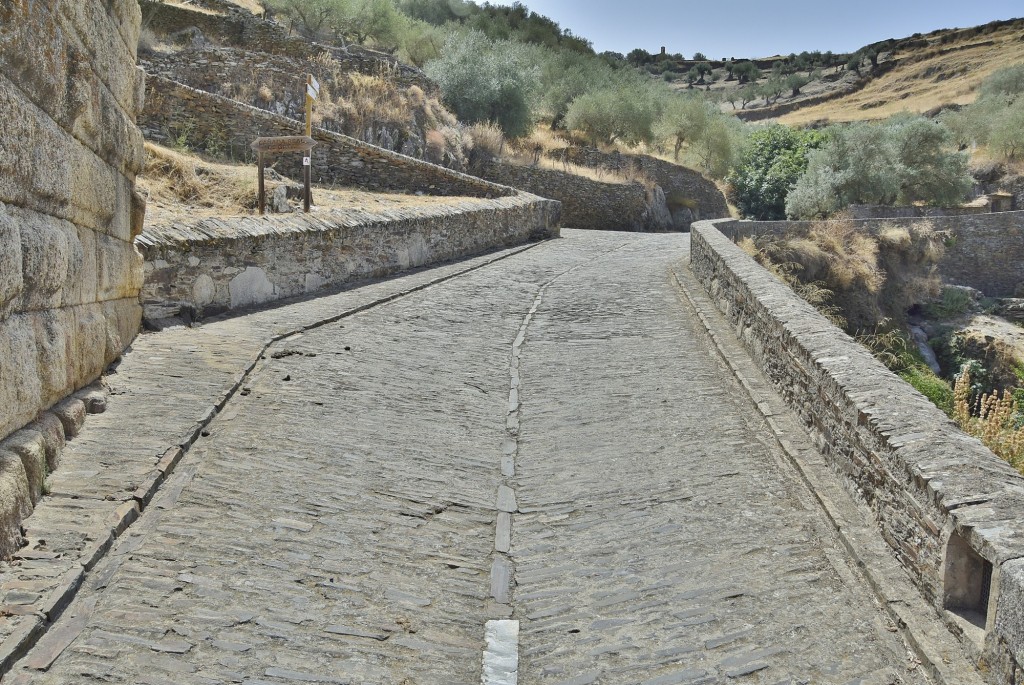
(534, 466)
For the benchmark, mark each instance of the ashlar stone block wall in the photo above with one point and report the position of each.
(69, 153)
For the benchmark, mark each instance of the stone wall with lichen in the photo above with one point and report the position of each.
(69, 273)
(214, 265)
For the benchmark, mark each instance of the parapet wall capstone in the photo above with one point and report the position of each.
(69, 274)
(215, 265)
(947, 506)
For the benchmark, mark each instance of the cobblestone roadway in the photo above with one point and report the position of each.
(338, 523)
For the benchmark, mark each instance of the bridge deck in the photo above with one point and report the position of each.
(339, 520)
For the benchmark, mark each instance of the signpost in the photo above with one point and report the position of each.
(282, 144)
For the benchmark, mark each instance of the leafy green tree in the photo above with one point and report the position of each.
(625, 110)
(795, 82)
(774, 159)
(565, 75)
(638, 57)
(853, 64)
(484, 80)
(685, 120)
(747, 72)
(748, 94)
(691, 76)
(703, 69)
(996, 119)
(699, 57)
(904, 160)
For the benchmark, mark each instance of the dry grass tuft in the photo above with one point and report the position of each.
(174, 179)
(991, 418)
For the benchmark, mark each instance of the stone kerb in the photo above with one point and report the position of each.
(337, 159)
(947, 506)
(220, 264)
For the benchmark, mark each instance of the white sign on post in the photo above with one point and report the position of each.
(312, 92)
(306, 161)
(313, 82)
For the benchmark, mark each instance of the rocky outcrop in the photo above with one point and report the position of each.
(70, 151)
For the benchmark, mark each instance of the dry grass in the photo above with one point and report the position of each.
(990, 418)
(924, 79)
(183, 187)
(851, 275)
(194, 7)
(251, 5)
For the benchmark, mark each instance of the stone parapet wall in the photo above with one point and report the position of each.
(704, 199)
(585, 203)
(231, 25)
(218, 264)
(948, 507)
(912, 212)
(983, 251)
(173, 110)
(69, 274)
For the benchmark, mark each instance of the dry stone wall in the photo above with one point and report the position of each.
(983, 251)
(948, 507)
(232, 25)
(586, 203)
(177, 112)
(692, 196)
(219, 264)
(69, 274)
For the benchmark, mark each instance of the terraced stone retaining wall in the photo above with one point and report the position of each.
(69, 274)
(200, 119)
(948, 507)
(219, 264)
(231, 25)
(586, 203)
(690, 196)
(983, 251)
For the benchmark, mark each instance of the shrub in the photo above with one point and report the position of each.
(931, 386)
(904, 160)
(485, 80)
(774, 158)
(991, 418)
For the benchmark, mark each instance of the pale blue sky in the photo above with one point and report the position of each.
(759, 28)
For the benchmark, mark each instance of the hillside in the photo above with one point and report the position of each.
(938, 69)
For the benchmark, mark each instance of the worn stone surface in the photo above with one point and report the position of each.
(657, 537)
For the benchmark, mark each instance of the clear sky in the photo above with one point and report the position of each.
(760, 28)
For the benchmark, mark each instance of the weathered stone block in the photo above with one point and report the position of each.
(15, 502)
(119, 269)
(52, 256)
(52, 430)
(123, 321)
(60, 176)
(71, 413)
(11, 282)
(90, 345)
(19, 383)
(30, 447)
(55, 341)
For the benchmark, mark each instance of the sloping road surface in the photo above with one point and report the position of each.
(547, 440)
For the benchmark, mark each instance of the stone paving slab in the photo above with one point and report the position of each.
(345, 517)
(163, 393)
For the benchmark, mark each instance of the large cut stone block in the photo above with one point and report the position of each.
(30, 447)
(15, 502)
(119, 269)
(52, 258)
(44, 168)
(124, 318)
(90, 345)
(11, 282)
(54, 334)
(19, 380)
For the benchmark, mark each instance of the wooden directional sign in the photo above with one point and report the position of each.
(281, 144)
